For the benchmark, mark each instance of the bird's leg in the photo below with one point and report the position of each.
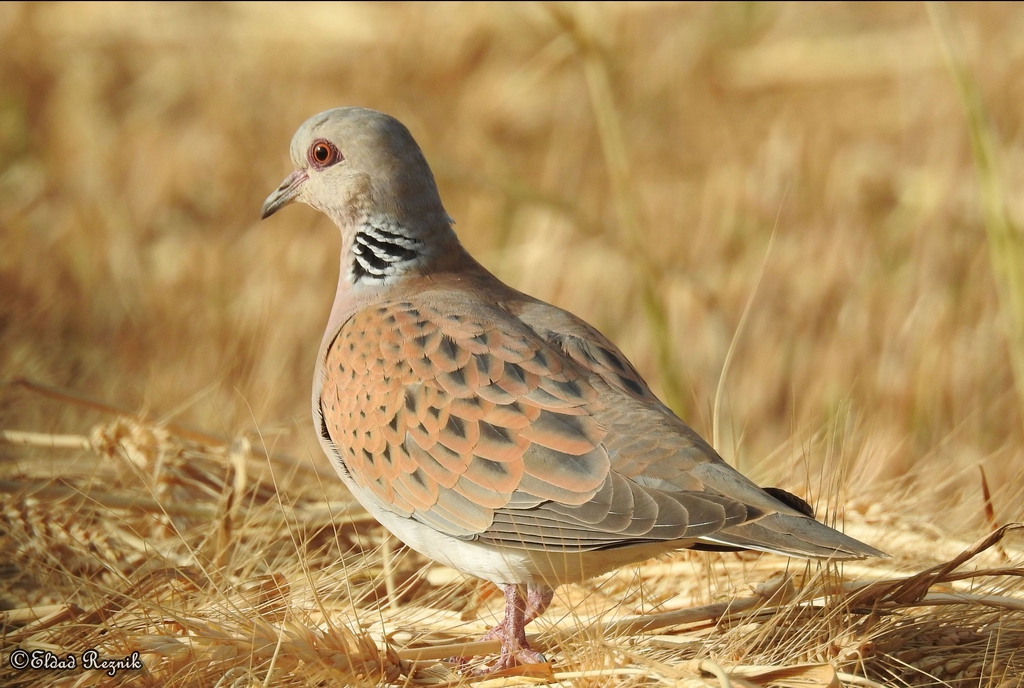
(538, 597)
(520, 610)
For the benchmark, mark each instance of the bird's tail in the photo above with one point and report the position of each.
(791, 535)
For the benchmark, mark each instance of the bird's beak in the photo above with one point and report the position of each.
(284, 194)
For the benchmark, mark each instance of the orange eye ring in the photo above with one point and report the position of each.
(323, 154)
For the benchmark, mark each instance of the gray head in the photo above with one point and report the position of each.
(351, 163)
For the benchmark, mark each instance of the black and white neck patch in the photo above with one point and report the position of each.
(382, 249)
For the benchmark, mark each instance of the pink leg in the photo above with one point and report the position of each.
(538, 597)
(512, 630)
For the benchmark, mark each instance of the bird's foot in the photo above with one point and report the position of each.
(520, 610)
(515, 649)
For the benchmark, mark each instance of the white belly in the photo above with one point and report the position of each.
(504, 565)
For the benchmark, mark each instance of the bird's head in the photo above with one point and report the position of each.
(353, 162)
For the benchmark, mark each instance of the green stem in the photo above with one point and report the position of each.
(1006, 251)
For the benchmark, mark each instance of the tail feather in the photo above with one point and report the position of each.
(794, 536)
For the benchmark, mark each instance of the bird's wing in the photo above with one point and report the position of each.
(519, 432)
(650, 445)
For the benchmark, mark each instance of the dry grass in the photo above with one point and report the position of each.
(223, 568)
(628, 163)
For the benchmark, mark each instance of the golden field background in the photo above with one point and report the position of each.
(137, 143)
(628, 162)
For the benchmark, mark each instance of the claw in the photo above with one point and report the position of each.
(530, 657)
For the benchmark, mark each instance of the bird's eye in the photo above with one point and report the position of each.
(323, 154)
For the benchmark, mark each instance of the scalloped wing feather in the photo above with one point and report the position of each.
(526, 428)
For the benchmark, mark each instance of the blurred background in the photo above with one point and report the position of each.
(628, 162)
